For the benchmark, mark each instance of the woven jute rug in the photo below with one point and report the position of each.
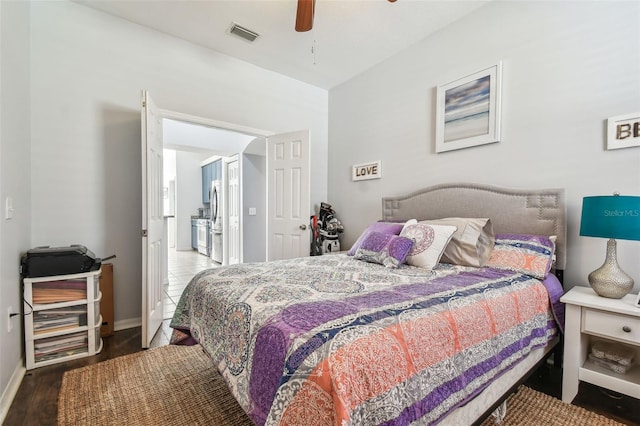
(178, 385)
(168, 386)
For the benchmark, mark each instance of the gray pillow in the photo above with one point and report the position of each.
(471, 244)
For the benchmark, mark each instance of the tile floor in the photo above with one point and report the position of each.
(183, 265)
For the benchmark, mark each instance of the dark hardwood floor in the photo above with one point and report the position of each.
(621, 408)
(36, 400)
(35, 404)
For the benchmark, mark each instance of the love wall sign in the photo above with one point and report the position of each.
(372, 170)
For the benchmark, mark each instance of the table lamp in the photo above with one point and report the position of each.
(613, 217)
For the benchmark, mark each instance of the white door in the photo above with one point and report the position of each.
(152, 219)
(288, 195)
(233, 202)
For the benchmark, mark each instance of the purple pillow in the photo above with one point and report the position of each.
(391, 228)
(386, 249)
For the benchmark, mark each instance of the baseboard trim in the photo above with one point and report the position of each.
(127, 323)
(11, 390)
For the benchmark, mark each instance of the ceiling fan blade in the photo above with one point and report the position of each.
(304, 15)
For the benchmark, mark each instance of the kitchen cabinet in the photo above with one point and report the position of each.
(207, 177)
(210, 172)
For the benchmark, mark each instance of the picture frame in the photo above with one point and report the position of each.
(623, 131)
(468, 110)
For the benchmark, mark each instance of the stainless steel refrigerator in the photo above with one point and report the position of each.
(216, 221)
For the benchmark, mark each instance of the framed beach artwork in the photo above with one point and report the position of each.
(468, 110)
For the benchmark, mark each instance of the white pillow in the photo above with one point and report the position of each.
(429, 243)
(409, 222)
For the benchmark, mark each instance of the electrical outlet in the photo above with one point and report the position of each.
(9, 324)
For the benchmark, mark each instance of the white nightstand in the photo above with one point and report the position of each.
(587, 316)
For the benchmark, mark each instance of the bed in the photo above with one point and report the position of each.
(359, 338)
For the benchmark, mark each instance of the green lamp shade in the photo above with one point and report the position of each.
(616, 217)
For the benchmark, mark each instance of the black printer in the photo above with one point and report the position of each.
(48, 261)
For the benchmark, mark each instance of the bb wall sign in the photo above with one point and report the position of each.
(372, 170)
(623, 131)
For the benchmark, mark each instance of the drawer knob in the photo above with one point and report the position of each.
(626, 329)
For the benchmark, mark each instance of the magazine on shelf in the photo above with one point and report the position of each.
(44, 296)
(51, 320)
(61, 284)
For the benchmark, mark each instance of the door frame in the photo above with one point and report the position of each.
(209, 122)
(174, 115)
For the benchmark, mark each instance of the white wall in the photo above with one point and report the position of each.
(188, 195)
(568, 66)
(15, 183)
(254, 182)
(87, 72)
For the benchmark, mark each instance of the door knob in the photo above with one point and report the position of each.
(303, 227)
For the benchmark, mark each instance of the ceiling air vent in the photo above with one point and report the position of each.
(242, 32)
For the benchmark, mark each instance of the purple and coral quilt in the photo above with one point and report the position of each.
(331, 340)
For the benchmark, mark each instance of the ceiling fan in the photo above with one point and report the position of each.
(304, 14)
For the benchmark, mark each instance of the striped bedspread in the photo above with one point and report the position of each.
(331, 340)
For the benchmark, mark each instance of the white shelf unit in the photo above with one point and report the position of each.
(69, 326)
(588, 317)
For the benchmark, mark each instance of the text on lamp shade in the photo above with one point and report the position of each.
(621, 213)
(372, 170)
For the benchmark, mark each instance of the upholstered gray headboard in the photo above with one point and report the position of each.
(518, 211)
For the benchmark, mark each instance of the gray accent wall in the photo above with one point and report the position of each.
(567, 67)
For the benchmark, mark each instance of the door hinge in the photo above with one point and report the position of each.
(144, 104)
(143, 233)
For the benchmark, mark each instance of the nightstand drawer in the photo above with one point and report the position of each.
(619, 327)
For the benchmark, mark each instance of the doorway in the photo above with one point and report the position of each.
(155, 250)
(188, 148)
